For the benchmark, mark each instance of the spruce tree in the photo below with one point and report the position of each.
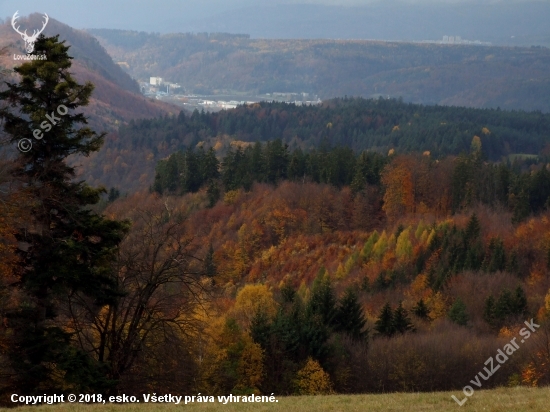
(350, 317)
(210, 269)
(359, 181)
(213, 193)
(489, 311)
(384, 324)
(520, 301)
(421, 310)
(473, 229)
(504, 306)
(458, 314)
(260, 328)
(322, 301)
(401, 321)
(66, 248)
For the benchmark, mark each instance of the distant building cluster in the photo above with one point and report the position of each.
(454, 40)
(161, 89)
(157, 86)
(460, 40)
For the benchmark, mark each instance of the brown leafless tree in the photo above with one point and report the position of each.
(152, 326)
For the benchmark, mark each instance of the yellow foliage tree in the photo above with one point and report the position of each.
(250, 367)
(420, 229)
(424, 237)
(475, 147)
(380, 246)
(230, 197)
(403, 249)
(340, 272)
(438, 306)
(252, 298)
(313, 380)
(233, 362)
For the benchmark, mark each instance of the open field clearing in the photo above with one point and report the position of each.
(503, 399)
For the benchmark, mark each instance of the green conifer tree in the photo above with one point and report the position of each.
(401, 321)
(322, 301)
(421, 310)
(489, 311)
(350, 317)
(66, 248)
(384, 325)
(520, 301)
(457, 313)
(210, 269)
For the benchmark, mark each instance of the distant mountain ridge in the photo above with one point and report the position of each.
(511, 78)
(522, 23)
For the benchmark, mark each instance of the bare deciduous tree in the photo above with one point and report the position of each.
(164, 286)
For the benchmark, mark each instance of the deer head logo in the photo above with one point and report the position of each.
(29, 40)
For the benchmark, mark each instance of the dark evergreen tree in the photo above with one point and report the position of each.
(322, 301)
(473, 229)
(421, 310)
(213, 192)
(288, 294)
(457, 313)
(504, 306)
(297, 165)
(210, 269)
(67, 248)
(401, 321)
(277, 157)
(495, 260)
(473, 246)
(260, 328)
(189, 172)
(519, 202)
(350, 318)
(384, 325)
(489, 311)
(258, 163)
(508, 307)
(520, 302)
(209, 166)
(359, 181)
(114, 194)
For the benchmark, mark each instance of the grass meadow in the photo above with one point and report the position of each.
(503, 399)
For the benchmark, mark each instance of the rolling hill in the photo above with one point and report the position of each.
(129, 156)
(511, 78)
(116, 96)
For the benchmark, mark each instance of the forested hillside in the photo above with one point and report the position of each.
(407, 283)
(462, 75)
(299, 264)
(443, 186)
(116, 98)
(129, 157)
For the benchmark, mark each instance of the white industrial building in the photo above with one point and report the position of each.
(155, 81)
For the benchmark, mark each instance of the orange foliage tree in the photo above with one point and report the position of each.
(397, 179)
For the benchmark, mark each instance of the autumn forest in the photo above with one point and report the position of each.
(359, 246)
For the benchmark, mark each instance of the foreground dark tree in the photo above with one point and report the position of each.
(146, 338)
(65, 248)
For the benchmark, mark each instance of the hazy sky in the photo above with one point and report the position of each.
(187, 15)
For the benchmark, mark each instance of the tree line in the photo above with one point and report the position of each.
(406, 182)
(360, 124)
